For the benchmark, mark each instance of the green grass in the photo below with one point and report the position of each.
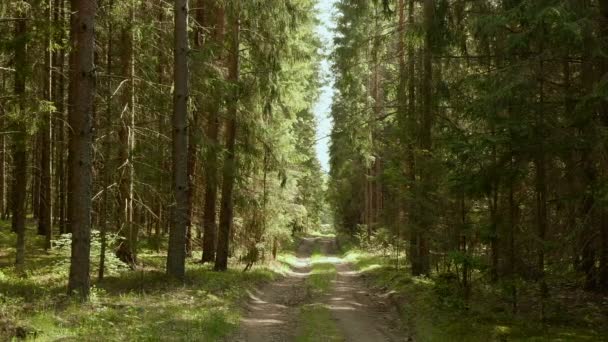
(316, 322)
(317, 325)
(321, 277)
(433, 312)
(322, 274)
(142, 305)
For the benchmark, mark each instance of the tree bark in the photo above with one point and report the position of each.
(229, 169)
(177, 237)
(19, 139)
(82, 79)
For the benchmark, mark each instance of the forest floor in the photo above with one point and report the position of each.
(322, 298)
(433, 308)
(318, 292)
(141, 305)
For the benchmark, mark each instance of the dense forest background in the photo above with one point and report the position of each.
(473, 135)
(471, 138)
(470, 141)
(89, 143)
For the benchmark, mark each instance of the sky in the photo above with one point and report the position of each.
(322, 109)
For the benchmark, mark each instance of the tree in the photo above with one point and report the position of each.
(229, 168)
(211, 156)
(80, 120)
(177, 239)
(19, 140)
(127, 249)
(45, 222)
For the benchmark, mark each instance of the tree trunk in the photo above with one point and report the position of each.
(411, 129)
(193, 148)
(177, 237)
(45, 220)
(229, 169)
(105, 215)
(211, 159)
(82, 77)
(19, 189)
(541, 189)
(58, 122)
(127, 249)
(589, 170)
(423, 227)
(34, 183)
(494, 219)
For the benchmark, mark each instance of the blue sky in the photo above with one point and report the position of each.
(322, 108)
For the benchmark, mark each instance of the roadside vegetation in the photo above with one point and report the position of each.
(434, 308)
(126, 305)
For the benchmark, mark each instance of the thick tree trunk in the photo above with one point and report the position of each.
(177, 237)
(82, 77)
(19, 189)
(229, 169)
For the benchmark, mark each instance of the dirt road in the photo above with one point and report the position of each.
(273, 312)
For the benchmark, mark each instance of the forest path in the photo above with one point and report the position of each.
(361, 315)
(275, 312)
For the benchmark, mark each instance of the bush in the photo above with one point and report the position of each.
(113, 265)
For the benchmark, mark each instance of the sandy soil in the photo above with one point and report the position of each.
(361, 316)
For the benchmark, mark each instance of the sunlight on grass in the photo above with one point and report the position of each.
(322, 234)
(323, 273)
(317, 325)
(127, 305)
(321, 277)
(291, 261)
(433, 315)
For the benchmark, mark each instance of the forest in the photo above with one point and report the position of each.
(162, 174)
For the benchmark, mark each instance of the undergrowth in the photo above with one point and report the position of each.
(127, 305)
(434, 310)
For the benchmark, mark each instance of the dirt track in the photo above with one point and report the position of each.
(272, 312)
